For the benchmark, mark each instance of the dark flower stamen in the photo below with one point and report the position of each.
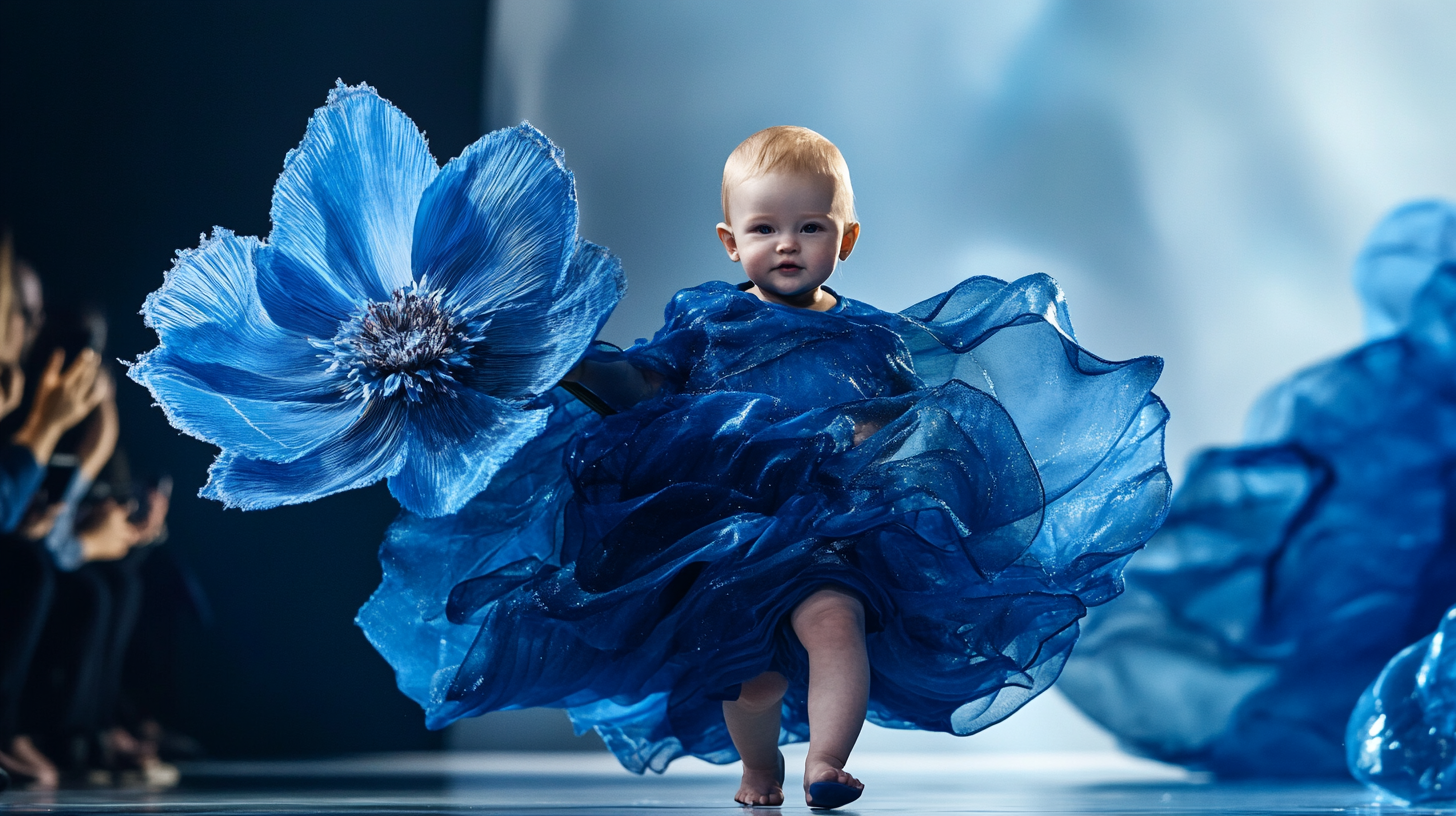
(410, 342)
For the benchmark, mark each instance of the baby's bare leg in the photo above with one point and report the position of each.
(753, 723)
(830, 624)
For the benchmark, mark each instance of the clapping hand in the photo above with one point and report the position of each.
(62, 399)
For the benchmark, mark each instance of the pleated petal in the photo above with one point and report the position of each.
(371, 450)
(528, 348)
(259, 428)
(344, 212)
(498, 226)
(224, 372)
(455, 446)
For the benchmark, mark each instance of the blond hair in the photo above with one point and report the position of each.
(790, 149)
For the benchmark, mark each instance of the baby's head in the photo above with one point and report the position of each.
(788, 213)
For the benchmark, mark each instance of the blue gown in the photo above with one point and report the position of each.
(636, 568)
(1292, 568)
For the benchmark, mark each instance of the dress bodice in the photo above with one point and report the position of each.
(718, 337)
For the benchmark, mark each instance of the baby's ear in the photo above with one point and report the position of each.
(846, 244)
(730, 243)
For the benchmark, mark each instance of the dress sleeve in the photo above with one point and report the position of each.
(20, 477)
(675, 346)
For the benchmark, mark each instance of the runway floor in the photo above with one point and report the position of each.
(592, 784)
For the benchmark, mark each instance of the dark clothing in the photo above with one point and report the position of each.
(76, 675)
(27, 589)
(27, 583)
(172, 598)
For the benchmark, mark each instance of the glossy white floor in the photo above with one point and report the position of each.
(563, 783)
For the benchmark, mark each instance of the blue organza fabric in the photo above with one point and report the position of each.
(1402, 735)
(1292, 568)
(964, 467)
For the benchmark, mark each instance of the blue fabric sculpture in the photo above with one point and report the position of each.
(394, 325)
(1292, 568)
(409, 323)
(1402, 736)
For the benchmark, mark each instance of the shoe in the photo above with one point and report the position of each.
(830, 795)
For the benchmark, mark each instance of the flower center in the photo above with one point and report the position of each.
(409, 343)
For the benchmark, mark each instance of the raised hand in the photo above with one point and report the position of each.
(108, 534)
(154, 525)
(62, 399)
(102, 430)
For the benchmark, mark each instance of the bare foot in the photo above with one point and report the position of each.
(760, 787)
(20, 772)
(821, 771)
(25, 760)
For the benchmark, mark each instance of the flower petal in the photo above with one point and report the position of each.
(499, 223)
(344, 212)
(208, 311)
(526, 350)
(368, 452)
(456, 445)
(260, 427)
(225, 373)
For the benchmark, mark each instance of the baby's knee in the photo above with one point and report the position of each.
(829, 613)
(762, 692)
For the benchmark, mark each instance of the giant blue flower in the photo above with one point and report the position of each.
(396, 324)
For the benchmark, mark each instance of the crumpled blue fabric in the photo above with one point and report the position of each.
(1401, 738)
(964, 467)
(394, 325)
(1292, 568)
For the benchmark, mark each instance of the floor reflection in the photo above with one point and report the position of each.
(564, 783)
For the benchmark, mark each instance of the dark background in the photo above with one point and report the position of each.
(125, 131)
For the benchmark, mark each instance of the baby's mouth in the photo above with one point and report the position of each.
(788, 267)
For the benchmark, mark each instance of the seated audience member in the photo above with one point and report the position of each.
(62, 396)
(91, 533)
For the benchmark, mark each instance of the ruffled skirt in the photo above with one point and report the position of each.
(690, 529)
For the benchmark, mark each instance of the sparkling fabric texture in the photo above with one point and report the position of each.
(1292, 568)
(964, 467)
(394, 325)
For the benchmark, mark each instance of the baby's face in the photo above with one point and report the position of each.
(784, 234)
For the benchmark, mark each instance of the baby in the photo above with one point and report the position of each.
(788, 217)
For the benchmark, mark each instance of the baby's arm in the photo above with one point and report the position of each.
(617, 383)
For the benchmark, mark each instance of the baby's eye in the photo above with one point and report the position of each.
(763, 229)
(811, 228)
